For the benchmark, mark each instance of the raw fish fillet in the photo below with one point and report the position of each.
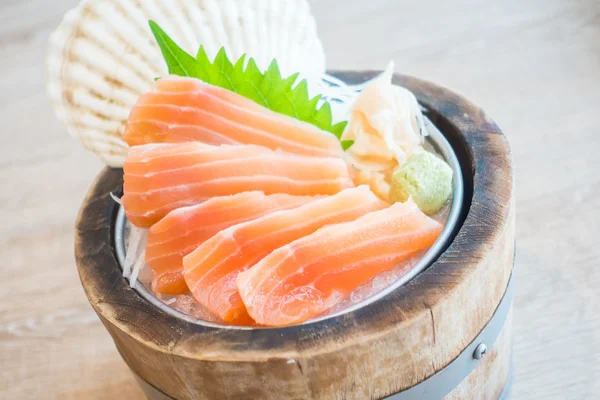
(309, 276)
(183, 230)
(210, 270)
(187, 109)
(160, 178)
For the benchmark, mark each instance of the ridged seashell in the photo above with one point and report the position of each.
(103, 56)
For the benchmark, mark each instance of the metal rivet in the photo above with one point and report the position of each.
(480, 351)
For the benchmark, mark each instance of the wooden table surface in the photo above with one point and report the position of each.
(533, 65)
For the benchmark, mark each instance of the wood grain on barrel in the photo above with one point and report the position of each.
(487, 381)
(418, 329)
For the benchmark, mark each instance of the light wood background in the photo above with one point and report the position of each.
(533, 65)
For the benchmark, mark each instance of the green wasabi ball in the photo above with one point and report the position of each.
(425, 177)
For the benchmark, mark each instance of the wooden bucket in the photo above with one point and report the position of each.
(445, 334)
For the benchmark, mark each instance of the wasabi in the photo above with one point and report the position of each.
(425, 177)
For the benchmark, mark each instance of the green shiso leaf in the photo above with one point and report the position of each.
(346, 144)
(268, 89)
(323, 117)
(178, 61)
(338, 128)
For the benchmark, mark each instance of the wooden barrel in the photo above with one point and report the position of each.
(445, 334)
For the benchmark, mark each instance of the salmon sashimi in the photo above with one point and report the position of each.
(309, 276)
(159, 178)
(184, 229)
(187, 109)
(210, 270)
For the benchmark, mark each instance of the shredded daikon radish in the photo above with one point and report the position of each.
(137, 268)
(115, 198)
(135, 253)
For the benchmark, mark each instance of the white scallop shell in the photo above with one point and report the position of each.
(103, 56)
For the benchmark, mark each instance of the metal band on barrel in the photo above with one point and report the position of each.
(440, 384)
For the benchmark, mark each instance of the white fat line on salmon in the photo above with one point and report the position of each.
(164, 209)
(346, 268)
(336, 233)
(280, 232)
(265, 179)
(229, 232)
(226, 225)
(238, 127)
(172, 150)
(259, 111)
(169, 127)
(279, 159)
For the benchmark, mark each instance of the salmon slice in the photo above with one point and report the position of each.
(309, 276)
(183, 109)
(169, 282)
(184, 229)
(210, 270)
(159, 178)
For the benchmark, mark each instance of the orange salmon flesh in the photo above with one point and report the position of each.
(184, 229)
(307, 277)
(159, 178)
(211, 270)
(186, 109)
